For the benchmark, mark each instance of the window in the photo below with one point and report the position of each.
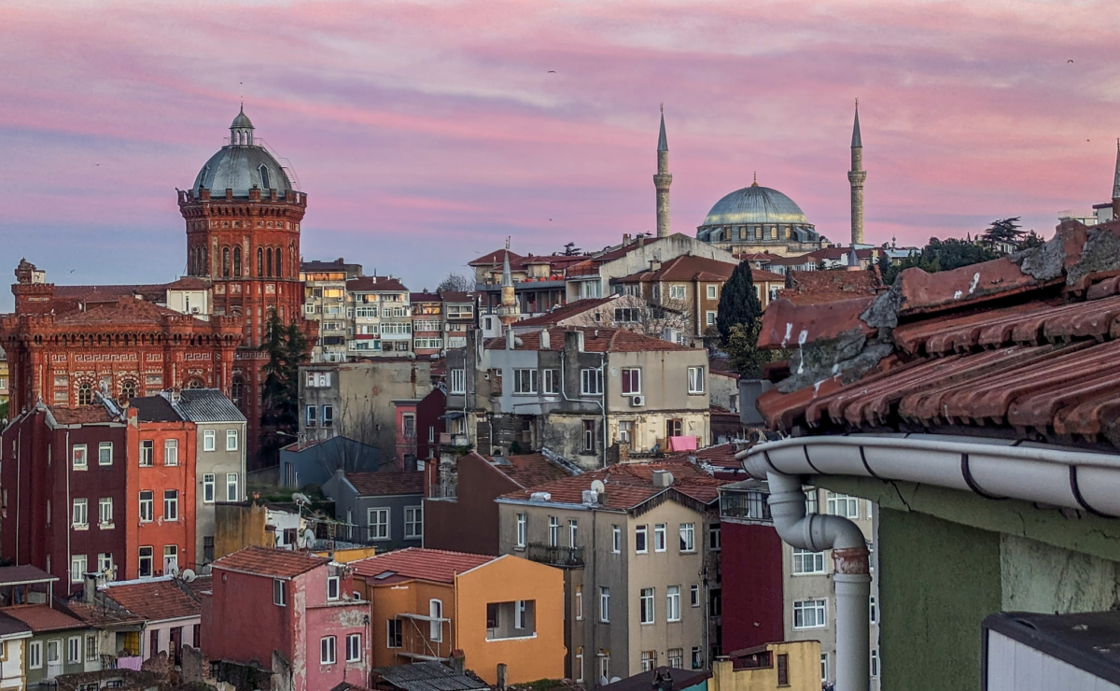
(676, 292)
(824, 666)
(673, 603)
(147, 500)
(520, 610)
(378, 524)
(328, 416)
(640, 545)
(631, 381)
(551, 382)
(80, 514)
(105, 453)
(660, 543)
(588, 436)
(209, 440)
(712, 292)
(809, 614)
(812, 502)
(673, 427)
(105, 512)
(591, 382)
(208, 488)
(842, 505)
(782, 665)
(354, 647)
(414, 522)
(332, 587)
(626, 431)
(553, 531)
(873, 615)
(676, 658)
(35, 655)
(171, 452)
(694, 595)
(524, 381)
(806, 562)
(145, 562)
(627, 314)
(697, 657)
(458, 381)
(645, 605)
(696, 380)
(231, 487)
(170, 558)
(171, 505)
(435, 627)
(522, 521)
(208, 549)
(105, 563)
(604, 668)
(579, 602)
(604, 604)
(79, 454)
(616, 539)
(688, 537)
(875, 663)
(573, 532)
(231, 435)
(326, 650)
(649, 660)
(578, 672)
(311, 416)
(279, 592)
(78, 568)
(715, 542)
(394, 633)
(85, 394)
(91, 648)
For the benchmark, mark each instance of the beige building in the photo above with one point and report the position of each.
(326, 304)
(632, 541)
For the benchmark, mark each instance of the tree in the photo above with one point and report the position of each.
(1005, 231)
(940, 255)
(570, 250)
(1032, 239)
(455, 283)
(287, 350)
(739, 303)
(742, 351)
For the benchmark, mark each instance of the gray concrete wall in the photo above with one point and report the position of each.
(218, 462)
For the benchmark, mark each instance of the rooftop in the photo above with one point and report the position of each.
(567, 311)
(529, 470)
(434, 565)
(594, 341)
(42, 618)
(10, 626)
(206, 405)
(154, 409)
(158, 599)
(647, 681)
(375, 284)
(387, 484)
(265, 561)
(684, 268)
(19, 575)
(808, 287)
(427, 676)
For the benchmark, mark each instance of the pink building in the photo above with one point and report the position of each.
(287, 613)
(405, 432)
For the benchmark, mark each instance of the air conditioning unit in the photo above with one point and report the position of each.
(637, 401)
(195, 310)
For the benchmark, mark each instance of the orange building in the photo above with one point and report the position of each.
(426, 603)
(160, 486)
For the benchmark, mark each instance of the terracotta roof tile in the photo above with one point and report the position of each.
(607, 341)
(785, 325)
(494, 258)
(42, 618)
(125, 310)
(265, 561)
(454, 296)
(530, 470)
(372, 284)
(90, 294)
(25, 573)
(155, 600)
(102, 615)
(567, 311)
(82, 415)
(684, 268)
(387, 484)
(425, 564)
(628, 485)
(811, 287)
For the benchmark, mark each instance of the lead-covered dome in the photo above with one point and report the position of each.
(242, 165)
(755, 204)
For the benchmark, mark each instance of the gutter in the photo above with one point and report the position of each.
(990, 468)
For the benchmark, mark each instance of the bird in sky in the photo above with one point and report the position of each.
(554, 71)
(1069, 61)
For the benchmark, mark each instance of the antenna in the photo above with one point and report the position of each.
(241, 91)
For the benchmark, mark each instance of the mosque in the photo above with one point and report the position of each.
(761, 219)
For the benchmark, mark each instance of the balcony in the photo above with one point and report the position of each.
(564, 557)
(452, 439)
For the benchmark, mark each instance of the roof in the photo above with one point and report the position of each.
(154, 409)
(494, 258)
(266, 561)
(10, 626)
(207, 405)
(17, 575)
(158, 599)
(829, 286)
(753, 205)
(428, 676)
(89, 294)
(124, 310)
(81, 415)
(1022, 347)
(762, 276)
(387, 484)
(101, 614)
(41, 618)
(529, 470)
(594, 341)
(686, 267)
(424, 297)
(189, 283)
(645, 681)
(375, 284)
(456, 296)
(434, 565)
(567, 311)
(239, 168)
(628, 485)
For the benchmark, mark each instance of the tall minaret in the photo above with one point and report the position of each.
(1116, 184)
(856, 176)
(662, 181)
(508, 311)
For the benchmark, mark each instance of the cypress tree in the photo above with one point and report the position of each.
(739, 303)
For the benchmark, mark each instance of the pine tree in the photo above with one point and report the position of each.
(287, 350)
(739, 303)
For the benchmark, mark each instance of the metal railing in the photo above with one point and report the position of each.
(555, 555)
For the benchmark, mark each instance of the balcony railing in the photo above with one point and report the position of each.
(452, 439)
(568, 557)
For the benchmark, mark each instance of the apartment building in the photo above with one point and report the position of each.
(580, 392)
(428, 337)
(382, 317)
(538, 280)
(326, 303)
(460, 315)
(633, 545)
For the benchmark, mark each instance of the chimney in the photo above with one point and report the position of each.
(89, 588)
(662, 478)
(546, 340)
(510, 342)
(654, 264)
(573, 340)
(502, 676)
(458, 661)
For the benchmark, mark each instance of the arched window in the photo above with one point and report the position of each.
(268, 256)
(260, 261)
(128, 389)
(237, 391)
(236, 261)
(204, 258)
(194, 383)
(279, 264)
(85, 393)
(225, 262)
(265, 182)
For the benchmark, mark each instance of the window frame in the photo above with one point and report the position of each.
(458, 383)
(673, 603)
(233, 438)
(83, 513)
(328, 651)
(522, 531)
(553, 531)
(628, 376)
(696, 381)
(35, 655)
(171, 452)
(413, 527)
(525, 381)
(101, 447)
(550, 382)
(687, 546)
(208, 488)
(801, 557)
(78, 573)
(79, 451)
(616, 539)
(387, 525)
(279, 592)
(101, 513)
(819, 608)
(334, 588)
(353, 647)
(233, 482)
(660, 537)
(641, 539)
(604, 604)
(171, 505)
(591, 382)
(694, 595)
(209, 440)
(389, 633)
(647, 614)
(150, 502)
(150, 558)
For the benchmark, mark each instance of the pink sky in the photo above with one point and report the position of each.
(425, 133)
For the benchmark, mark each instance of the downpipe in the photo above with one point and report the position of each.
(852, 573)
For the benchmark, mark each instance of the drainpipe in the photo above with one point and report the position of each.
(852, 574)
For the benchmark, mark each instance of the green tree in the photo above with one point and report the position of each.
(739, 303)
(742, 351)
(287, 350)
(940, 255)
(1032, 239)
(1003, 231)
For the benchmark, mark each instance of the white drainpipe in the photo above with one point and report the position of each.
(816, 533)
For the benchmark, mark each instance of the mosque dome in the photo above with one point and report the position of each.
(757, 215)
(242, 165)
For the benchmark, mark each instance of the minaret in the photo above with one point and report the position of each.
(508, 311)
(662, 181)
(856, 176)
(1116, 184)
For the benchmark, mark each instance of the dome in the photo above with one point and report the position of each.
(242, 121)
(755, 204)
(241, 168)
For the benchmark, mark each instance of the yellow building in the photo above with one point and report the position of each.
(793, 665)
(497, 610)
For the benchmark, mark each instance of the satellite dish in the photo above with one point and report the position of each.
(171, 569)
(188, 575)
(308, 538)
(598, 486)
(300, 498)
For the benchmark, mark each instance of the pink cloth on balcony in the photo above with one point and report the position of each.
(686, 443)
